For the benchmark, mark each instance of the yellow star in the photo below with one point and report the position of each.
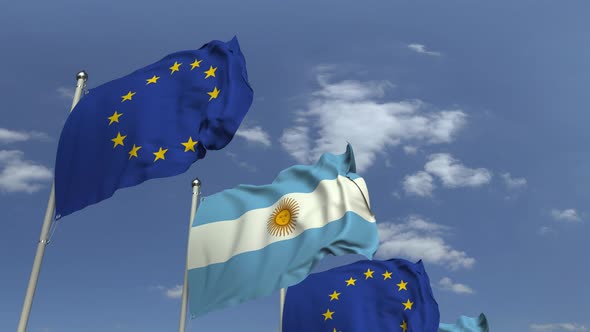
(160, 154)
(368, 274)
(213, 93)
(128, 96)
(153, 80)
(210, 72)
(175, 67)
(189, 145)
(197, 63)
(334, 296)
(118, 140)
(114, 117)
(408, 305)
(404, 326)
(402, 285)
(328, 315)
(350, 282)
(133, 152)
(386, 275)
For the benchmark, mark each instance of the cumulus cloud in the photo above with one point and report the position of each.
(351, 111)
(20, 175)
(175, 292)
(453, 174)
(12, 136)
(448, 284)
(419, 239)
(449, 170)
(420, 184)
(419, 48)
(255, 135)
(513, 183)
(171, 293)
(408, 149)
(558, 327)
(565, 215)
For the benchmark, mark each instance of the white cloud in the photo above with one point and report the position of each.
(295, 141)
(12, 136)
(558, 327)
(417, 223)
(171, 293)
(418, 239)
(420, 184)
(19, 175)
(419, 48)
(565, 215)
(254, 134)
(544, 230)
(66, 93)
(350, 90)
(174, 293)
(408, 149)
(447, 284)
(454, 174)
(349, 111)
(513, 183)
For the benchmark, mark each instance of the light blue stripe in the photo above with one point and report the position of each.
(260, 273)
(231, 204)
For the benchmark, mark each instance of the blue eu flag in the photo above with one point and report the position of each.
(391, 295)
(152, 123)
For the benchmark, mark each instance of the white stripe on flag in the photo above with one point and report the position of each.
(217, 242)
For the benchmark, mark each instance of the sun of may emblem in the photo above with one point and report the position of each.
(283, 219)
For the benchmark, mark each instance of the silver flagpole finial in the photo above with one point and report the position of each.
(196, 182)
(82, 75)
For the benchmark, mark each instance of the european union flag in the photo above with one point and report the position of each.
(152, 123)
(391, 295)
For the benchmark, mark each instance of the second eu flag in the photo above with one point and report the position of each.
(391, 295)
(152, 123)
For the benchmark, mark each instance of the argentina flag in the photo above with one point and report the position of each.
(467, 324)
(250, 241)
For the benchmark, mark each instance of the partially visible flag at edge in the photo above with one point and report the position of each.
(467, 324)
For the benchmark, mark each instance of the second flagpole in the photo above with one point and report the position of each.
(281, 307)
(196, 184)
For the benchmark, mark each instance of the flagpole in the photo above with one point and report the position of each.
(281, 306)
(81, 78)
(183, 310)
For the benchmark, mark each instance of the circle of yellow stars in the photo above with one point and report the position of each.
(189, 145)
(402, 285)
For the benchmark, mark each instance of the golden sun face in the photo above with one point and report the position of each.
(283, 219)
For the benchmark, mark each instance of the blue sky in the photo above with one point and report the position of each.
(468, 120)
